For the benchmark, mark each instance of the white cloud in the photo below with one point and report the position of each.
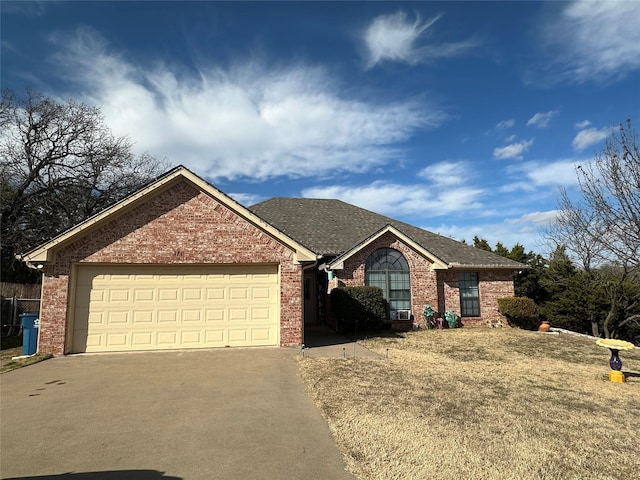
(595, 40)
(247, 199)
(395, 199)
(541, 120)
(505, 124)
(515, 150)
(521, 185)
(446, 173)
(503, 232)
(395, 37)
(538, 174)
(244, 121)
(583, 124)
(590, 136)
(540, 218)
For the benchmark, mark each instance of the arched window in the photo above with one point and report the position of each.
(388, 269)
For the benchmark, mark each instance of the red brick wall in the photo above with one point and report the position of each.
(436, 287)
(492, 284)
(422, 278)
(181, 225)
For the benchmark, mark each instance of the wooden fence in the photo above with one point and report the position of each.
(20, 290)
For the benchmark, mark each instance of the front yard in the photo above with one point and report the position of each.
(481, 404)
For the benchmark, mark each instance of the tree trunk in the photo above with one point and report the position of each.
(607, 322)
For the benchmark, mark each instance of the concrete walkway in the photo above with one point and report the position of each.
(322, 342)
(191, 415)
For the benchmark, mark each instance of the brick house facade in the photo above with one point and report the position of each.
(493, 284)
(429, 285)
(180, 221)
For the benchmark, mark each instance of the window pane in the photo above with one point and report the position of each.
(469, 294)
(377, 279)
(399, 295)
(398, 280)
(400, 304)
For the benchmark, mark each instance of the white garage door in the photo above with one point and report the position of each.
(120, 308)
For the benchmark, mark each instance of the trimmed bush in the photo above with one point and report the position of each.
(521, 312)
(364, 305)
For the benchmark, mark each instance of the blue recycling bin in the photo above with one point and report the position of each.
(30, 323)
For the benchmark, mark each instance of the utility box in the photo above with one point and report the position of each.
(30, 323)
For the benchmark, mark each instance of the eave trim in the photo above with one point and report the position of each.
(45, 253)
(338, 262)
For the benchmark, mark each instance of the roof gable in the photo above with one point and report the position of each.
(338, 263)
(46, 252)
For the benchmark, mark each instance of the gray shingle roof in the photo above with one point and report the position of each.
(331, 227)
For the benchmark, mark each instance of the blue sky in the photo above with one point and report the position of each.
(463, 118)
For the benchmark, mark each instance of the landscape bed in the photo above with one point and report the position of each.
(482, 404)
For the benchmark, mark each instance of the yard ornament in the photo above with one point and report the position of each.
(615, 374)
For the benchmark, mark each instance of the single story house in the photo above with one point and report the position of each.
(179, 264)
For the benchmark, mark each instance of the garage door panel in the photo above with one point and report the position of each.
(261, 314)
(144, 295)
(192, 294)
(216, 293)
(236, 293)
(142, 317)
(215, 338)
(191, 316)
(96, 295)
(167, 338)
(261, 293)
(238, 336)
(238, 315)
(168, 295)
(119, 295)
(261, 334)
(191, 337)
(215, 315)
(118, 318)
(167, 316)
(144, 340)
(164, 307)
(117, 340)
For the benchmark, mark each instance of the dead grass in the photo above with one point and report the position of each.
(481, 404)
(12, 347)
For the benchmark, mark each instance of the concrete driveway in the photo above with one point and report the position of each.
(201, 414)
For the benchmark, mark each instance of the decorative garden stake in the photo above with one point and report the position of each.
(615, 374)
(428, 313)
(451, 317)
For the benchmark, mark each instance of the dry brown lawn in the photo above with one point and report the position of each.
(481, 404)
(12, 347)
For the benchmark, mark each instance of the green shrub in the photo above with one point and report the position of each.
(364, 307)
(521, 312)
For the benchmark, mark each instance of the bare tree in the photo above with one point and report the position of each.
(59, 164)
(602, 230)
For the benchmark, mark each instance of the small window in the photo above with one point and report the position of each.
(469, 294)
